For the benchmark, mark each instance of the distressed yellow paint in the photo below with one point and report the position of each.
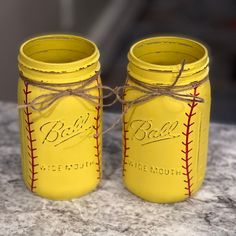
(61, 157)
(153, 167)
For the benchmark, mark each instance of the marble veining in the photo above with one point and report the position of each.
(112, 210)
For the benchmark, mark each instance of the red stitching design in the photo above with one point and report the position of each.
(96, 136)
(187, 149)
(31, 140)
(125, 139)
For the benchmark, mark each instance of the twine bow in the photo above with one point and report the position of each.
(55, 91)
(151, 91)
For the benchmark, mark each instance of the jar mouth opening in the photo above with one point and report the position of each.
(58, 52)
(167, 53)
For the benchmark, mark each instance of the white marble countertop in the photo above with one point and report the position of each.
(112, 210)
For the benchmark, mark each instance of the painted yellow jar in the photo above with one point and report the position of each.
(165, 138)
(59, 127)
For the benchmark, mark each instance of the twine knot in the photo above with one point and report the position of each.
(70, 92)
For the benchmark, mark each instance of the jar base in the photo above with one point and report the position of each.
(159, 199)
(66, 196)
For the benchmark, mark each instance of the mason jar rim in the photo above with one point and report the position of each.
(57, 67)
(200, 63)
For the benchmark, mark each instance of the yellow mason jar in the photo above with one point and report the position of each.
(60, 110)
(166, 118)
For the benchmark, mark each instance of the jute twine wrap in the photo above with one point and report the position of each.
(56, 91)
(151, 91)
(82, 89)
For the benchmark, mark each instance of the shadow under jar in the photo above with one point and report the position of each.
(59, 126)
(165, 134)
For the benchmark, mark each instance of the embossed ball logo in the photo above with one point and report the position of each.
(58, 132)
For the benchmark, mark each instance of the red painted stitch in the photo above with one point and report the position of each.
(96, 136)
(186, 151)
(125, 139)
(31, 140)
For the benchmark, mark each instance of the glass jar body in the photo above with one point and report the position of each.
(60, 145)
(165, 140)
